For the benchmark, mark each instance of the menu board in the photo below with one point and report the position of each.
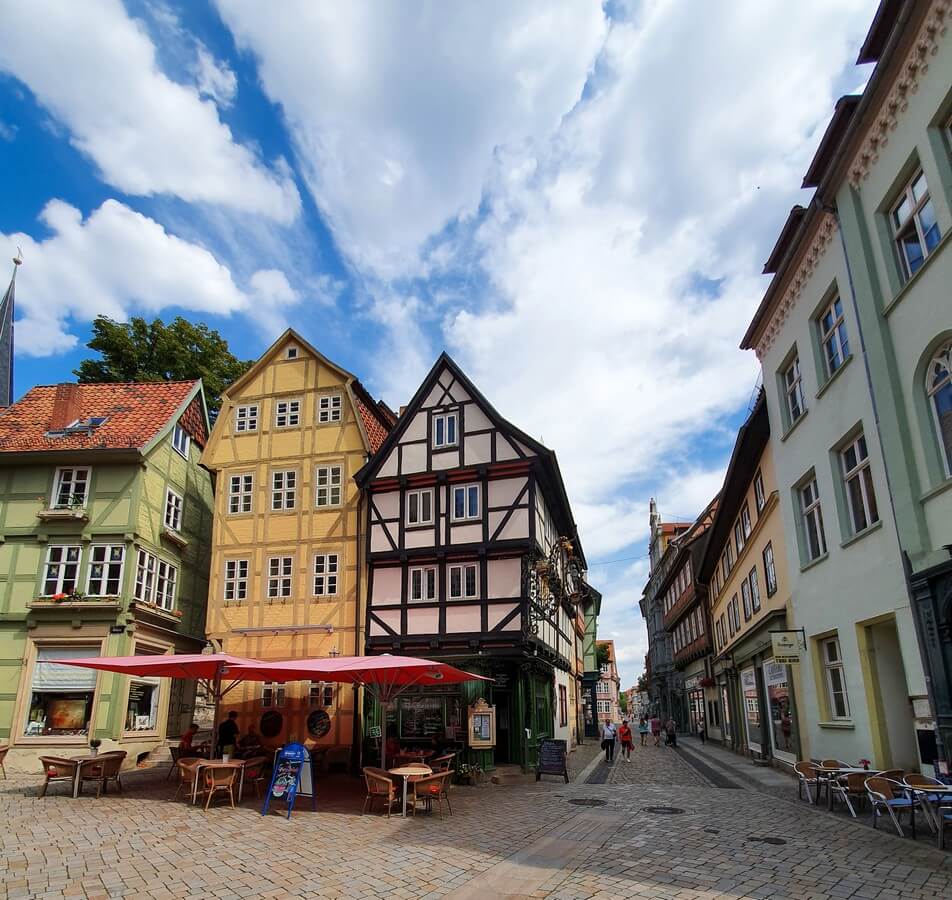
(552, 755)
(290, 762)
(421, 717)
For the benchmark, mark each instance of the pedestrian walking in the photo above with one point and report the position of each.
(626, 737)
(643, 731)
(701, 730)
(671, 729)
(608, 741)
(656, 730)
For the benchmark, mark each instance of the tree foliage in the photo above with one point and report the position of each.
(601, 655)
(153, 351)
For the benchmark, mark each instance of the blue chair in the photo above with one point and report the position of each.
(882, 796)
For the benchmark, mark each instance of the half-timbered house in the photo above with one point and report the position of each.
(473, 557)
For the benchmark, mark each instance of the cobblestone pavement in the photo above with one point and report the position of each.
(579, 841)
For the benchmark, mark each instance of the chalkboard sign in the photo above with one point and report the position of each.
(552, 759)
(289, 764)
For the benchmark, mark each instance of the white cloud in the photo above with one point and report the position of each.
(215, 79)
(94, 68)
(116, 262)
(396, 110)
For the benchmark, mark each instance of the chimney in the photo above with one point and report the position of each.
(66, 408)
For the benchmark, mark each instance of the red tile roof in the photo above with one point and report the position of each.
(135, 413)
(375, 428)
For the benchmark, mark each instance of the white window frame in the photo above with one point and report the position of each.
(62, 565)
(745, 524)
(241, 491)
(235, 585)
(321, 694)
(283, 490)
(174, 506)
(246, 418)
(273, 695)
(862, 474)
(420, 506)
(279, 577)
(912, 223)
(109, 565)
(424, 584)
(58, 483)
(291, 352)
(463, 593)
(287, 413)
(834, 338)
(329, 485)
(745, 600)
(939, 378)
(181, 440)
(760, 495)
(330, 408)
(444, 420)
(828, 668)
(326, 574)
(770, 570)
(754, 580)
(811, 510)
(793, 391)
(156, 580)
(466, 488)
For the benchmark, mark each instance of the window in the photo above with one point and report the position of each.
(272, 694)
(732, 622)
(292, 353)
(280, 569)
(155, 581)
(939, 391)
(727, 560)
(563, 706)
(793, 386)
(833, 338)
(236, 579)
(760, 497)
(723, 624)
(240, 493)
(287, 413)
(738, 537)
(61, 697)
(173, 510)
(466, 502)
(835, 679)
(812, 517)
(61, 575)
(770, 570)
(326, 569)
(420, 507)
(858, 482)
(283, 489)
(604, 706)
(745, 599)
(423, 583)
(464, 581)
(143, 705)
(180, 440)
(328, 480)
(754, 590)
(914, 226)
(71, 488)
(105, 570)
(246, 418)
(745, 521)
(444, 430)
(329, 408)
(321, 694)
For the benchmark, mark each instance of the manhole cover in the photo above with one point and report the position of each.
(664, 810)
(775, 841)
(712, 830)
(587, 801)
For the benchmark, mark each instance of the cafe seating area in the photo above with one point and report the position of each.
(411, 782)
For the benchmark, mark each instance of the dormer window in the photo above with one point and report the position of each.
(180, 440)
(291, 353)
(85, 425)
(444, 430)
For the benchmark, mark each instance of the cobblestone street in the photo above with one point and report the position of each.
(567, 842)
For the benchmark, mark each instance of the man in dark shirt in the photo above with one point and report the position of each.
(228, 734)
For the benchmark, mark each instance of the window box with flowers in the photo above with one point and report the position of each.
(73, 599)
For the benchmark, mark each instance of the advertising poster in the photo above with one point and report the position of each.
(780, 706)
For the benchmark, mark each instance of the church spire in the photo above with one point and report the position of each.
(6, 337)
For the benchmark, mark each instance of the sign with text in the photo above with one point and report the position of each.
(552, 754)
(289, 764)
(786, 647)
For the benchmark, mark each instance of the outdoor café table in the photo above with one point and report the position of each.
(79, 760)
(927, 791)
(219, 763)
(406, 773)
(832, 774)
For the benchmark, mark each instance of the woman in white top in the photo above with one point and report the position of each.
(608, 741)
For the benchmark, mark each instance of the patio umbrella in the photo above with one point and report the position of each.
(210, 668)
(385, 676)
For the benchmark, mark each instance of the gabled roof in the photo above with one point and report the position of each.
(546, 456)
(135, 414)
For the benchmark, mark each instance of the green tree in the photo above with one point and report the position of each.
(153, 351)
(601, 655)
(623, 702)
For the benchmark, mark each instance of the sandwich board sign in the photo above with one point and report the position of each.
(289, 765)
(552, 759)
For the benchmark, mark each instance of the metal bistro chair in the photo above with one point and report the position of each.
(882, 795)
(807, 775)
(219, 780)
(432, 788)
(379, 785)
(58, 769)
(442, 763)
(852, 786)
(255, 769)
(188, 773)
(105, 768)
(917, 781)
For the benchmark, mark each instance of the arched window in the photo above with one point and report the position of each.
(939, 389)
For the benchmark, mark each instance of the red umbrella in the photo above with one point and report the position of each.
(385, 677)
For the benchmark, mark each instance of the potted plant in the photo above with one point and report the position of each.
(94, 746)
(468, 773)
(865, 764)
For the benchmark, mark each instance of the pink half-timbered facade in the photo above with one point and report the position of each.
(473, 555)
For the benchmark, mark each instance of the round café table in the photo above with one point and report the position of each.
(406, 773)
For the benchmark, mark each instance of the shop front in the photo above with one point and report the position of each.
(695, 708)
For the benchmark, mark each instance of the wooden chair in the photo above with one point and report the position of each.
(188, 773)
(176, 754)
(882, 795)
(219, 780)
(430, 788)
(442, 763)
(807, 775)
(255, 769)
(379, 784)
(102, 770)
(833, 764)
(3, 755)
(852, 787)
(58, 769)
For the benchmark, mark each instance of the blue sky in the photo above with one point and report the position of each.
(575, 200)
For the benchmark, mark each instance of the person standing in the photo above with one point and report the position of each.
(671, 729)
(608, 741)
(627, 739)
(656, 730)
(228, 734)
(643, 731)
(701, 730)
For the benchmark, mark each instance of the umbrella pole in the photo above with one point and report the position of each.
(216, 693)
(383, 739)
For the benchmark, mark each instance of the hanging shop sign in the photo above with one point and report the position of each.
(786, 647)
